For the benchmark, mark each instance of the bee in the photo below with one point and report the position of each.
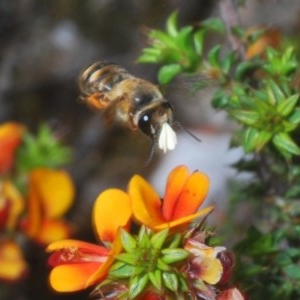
(131, 101)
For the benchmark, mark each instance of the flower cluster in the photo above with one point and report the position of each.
(32, 201)
(165, 257)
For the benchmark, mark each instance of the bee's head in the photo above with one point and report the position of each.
(156, 123)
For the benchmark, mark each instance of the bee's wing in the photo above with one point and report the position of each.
(191, 83)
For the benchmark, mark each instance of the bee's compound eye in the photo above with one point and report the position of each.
(145, 124)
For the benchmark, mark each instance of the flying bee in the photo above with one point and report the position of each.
(131, 101)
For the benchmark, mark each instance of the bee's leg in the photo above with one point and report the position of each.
(96, 100)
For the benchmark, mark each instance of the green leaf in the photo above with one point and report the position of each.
(182, 284)
(286, 107)
(270, 53)
(253, 270)
(129, 243)
(292, 271)
(138, 270)
(295, 116)
(257, 243)
(147, 58)
(288, 126)
(220, 100)
(214, 24)
(262, 139)
(137, 285)
(168, 72)
(228, 62)
(293, 251)
(128, 258)
(171, 25)
(156, 279)
(276, 96)
(283, 259)
(284, 143)
(150, 55)
(246, 116)
(158, 239)
(144, 240)
(184, 38)
(170, 281)
(174, 255)
(121, 270)
(245, 68)
(198, 38)
(162, 40)
(176, 239)
(162, 265)
(249, 140)
(214, 56)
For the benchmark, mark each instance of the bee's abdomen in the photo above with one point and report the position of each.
(101, 77)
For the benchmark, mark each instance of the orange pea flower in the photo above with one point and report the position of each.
(13, 265)
(271, 37)
(10, 138)
(78, 265)
(184, 194)
(50, 195)
(11, 205)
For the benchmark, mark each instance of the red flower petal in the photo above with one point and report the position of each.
(74, 251)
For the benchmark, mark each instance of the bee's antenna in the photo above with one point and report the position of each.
(187, 131)
(151, 154)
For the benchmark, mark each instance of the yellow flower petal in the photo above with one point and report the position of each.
(211, 269)
(16, 201)
(174, 186)
(13, 265)
(112, 210)
(72, 277)
(184, 220)
(10, 138)
(52, 230)
(145, 203)
(54, 189)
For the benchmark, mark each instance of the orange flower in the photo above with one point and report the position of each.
(270, 37)
(10, 138)
(78, 265)
(51, 193)
(11, 205)
(13, 265)
(184, 194)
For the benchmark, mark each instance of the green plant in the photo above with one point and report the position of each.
(260, 92)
